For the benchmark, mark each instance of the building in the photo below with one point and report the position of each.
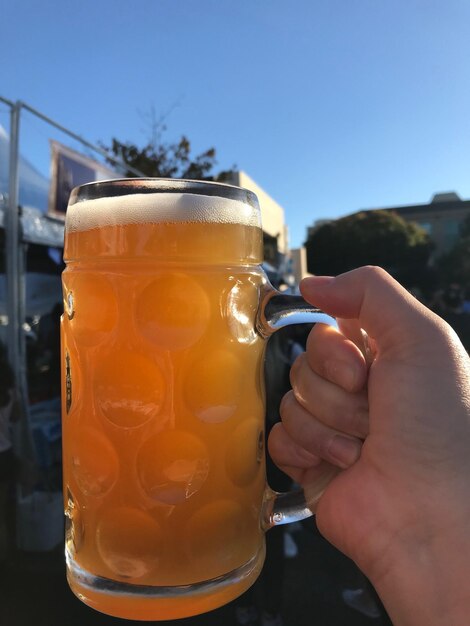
(298, 263)
(441, 218)
(275, 232)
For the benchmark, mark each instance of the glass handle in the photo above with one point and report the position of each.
(278, 310)
(296, 505)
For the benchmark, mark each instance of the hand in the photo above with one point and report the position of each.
(401, 508)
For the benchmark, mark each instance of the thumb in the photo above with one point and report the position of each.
(384, 309)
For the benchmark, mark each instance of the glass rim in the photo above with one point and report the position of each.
(127, 186)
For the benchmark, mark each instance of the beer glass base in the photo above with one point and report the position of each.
(146, 602)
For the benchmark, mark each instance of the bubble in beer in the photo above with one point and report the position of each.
(129, 541)
(213, 386)
(92, 301)
(172, 466)
(173, 311)
(94, 461)
(244, 456)
(129, 388)
(219, 537)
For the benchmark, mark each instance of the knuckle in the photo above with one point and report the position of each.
(342, 412)
(373, 272)
(298, 390)
(286, 405)
(324, 444)
(275, 443)
(296, 368)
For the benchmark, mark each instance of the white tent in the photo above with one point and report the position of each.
(33, 186)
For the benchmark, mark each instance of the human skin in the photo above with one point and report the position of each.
(400, 508)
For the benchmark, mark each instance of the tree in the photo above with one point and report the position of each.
(160, 159)
(172, 160)
(372, 238)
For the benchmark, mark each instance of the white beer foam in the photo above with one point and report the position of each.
(158, 208)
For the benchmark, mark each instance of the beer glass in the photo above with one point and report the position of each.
(166, 315)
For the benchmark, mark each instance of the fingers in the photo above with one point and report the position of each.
(382, 306)
(329, 403)
(315, 437)
(290, 457)
(352, 329)
(325, 417)
(336, 358)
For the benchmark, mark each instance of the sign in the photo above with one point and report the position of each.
(68, 170)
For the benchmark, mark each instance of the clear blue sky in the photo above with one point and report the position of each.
(331, 106)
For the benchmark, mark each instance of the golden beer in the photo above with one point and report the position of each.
(163, 401)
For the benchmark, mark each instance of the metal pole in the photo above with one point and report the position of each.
(7, 102)
(14, 261)
(12, 246)
(86, 143)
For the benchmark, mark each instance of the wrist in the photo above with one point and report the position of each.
(425, 582)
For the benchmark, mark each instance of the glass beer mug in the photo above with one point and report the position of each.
(166, 316)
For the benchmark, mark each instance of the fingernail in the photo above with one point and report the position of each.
(323, 280)
(344, 450)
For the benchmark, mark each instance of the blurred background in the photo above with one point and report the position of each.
(350, 122)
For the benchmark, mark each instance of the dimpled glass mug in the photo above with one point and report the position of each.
(166, 316)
